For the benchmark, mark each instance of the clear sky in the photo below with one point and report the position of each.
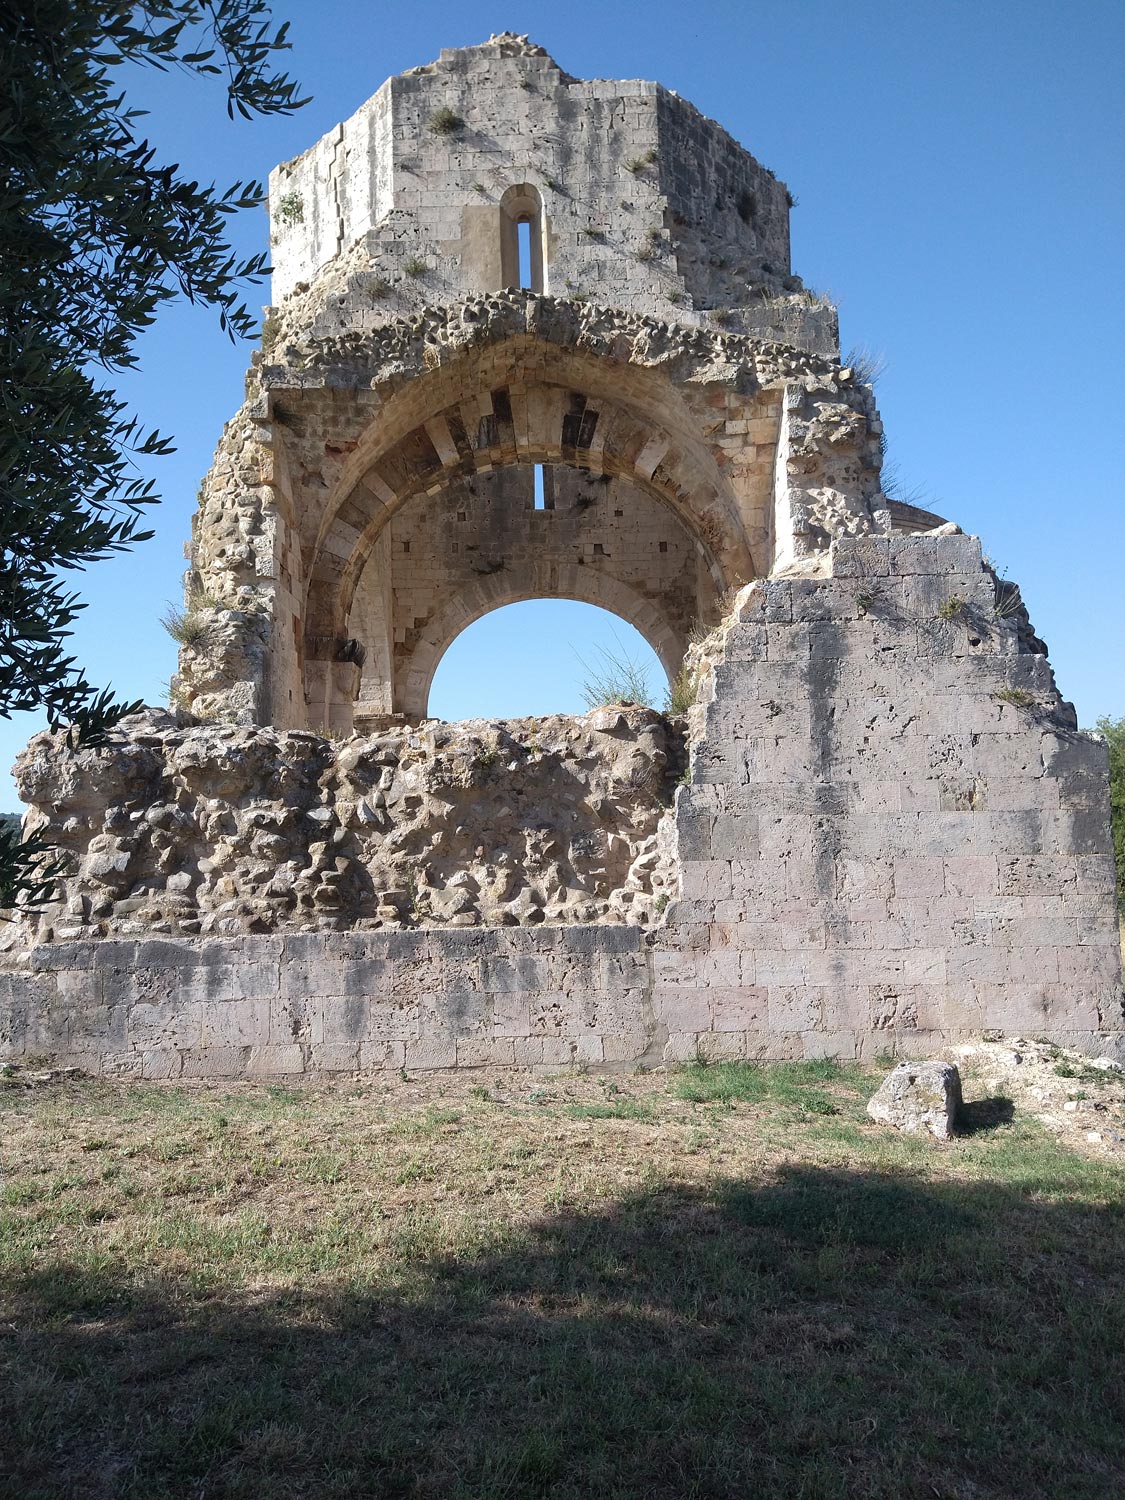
(959, 170)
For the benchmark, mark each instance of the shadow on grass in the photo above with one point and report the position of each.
(831, 1334)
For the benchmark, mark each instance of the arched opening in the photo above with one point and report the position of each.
(543, 656)
(434, 519)
(481, 541)
(523, 257)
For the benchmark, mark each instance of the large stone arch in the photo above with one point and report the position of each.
(484, 539)
(580, 584)
(524, 401)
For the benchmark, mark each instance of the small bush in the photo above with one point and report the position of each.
(445, 121)
(867, 366)
(617, 678)
(178, 695)
(682, 691)
(952, 608)
(1009, 601)
(1017, 697)
(185, 626)
(415, 267)
(865, 599)
(291, 209)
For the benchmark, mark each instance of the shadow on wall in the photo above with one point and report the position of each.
(832, 1334)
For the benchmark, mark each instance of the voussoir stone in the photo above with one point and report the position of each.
(919, 1096)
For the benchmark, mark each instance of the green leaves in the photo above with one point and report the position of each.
(29, 874)
(1113, 732)
(95, 236)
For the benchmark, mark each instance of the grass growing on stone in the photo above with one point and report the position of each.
(695, 1284)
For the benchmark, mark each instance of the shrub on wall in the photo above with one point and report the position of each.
(1113, 731)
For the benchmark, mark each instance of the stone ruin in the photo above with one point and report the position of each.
(877, 828)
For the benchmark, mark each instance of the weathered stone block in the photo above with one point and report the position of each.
(161, 1063)
(431, 1052)
(916, 1097)
(214, 1062)
(272, 1061)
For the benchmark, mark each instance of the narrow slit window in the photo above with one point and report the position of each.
(523, 238)
(540, 504)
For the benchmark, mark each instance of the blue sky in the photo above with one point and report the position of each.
(959, 172)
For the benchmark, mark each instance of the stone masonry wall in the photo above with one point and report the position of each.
(893, 837)
(335, 1002)
(894, 829)
(645, 203)
(192, 828)
(481, 543)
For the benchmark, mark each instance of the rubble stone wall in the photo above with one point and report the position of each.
(192, 828)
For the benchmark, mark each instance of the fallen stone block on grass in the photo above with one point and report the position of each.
(919, 1096)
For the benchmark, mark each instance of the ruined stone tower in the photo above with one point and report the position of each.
(400, 514)
(878, 828)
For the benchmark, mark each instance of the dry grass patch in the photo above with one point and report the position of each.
(722, 1281)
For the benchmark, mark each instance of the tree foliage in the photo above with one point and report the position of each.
(95, 236)
(1113, 731)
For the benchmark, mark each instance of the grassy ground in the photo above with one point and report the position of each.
(721, 1282)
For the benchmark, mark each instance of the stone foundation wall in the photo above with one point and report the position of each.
(892, 837)
(336, 1002)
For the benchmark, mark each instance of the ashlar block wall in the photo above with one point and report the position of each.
(895, 833)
